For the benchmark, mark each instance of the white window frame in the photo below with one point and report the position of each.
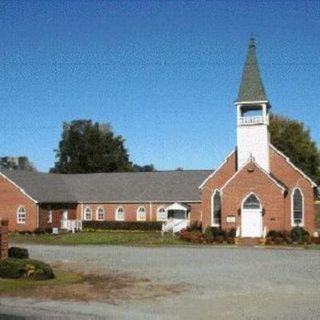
(97, 214)
(117, 214)
(301, 224)
(85, 214)
(49, 216)
(212, 208)
(145, 214)
(21, 219)
(159, 218)
(245, 199)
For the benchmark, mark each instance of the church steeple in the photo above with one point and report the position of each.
(251, 87)
(252, 114)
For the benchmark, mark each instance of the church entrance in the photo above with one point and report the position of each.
(251, 217)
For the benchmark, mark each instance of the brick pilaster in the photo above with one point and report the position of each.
(4, 240)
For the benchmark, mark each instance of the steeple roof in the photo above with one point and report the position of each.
(251, 87)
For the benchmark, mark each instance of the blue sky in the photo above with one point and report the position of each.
(163, 73)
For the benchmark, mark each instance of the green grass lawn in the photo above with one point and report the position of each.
(106, 238)
(14, 286)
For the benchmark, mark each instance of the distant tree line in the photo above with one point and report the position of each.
(17, 163)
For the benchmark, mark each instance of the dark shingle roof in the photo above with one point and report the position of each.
(251, 87)
(111, 187)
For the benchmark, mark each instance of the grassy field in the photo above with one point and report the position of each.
(21, 286)
(106, 238)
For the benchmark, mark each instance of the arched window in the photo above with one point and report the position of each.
(120, 214)
(49, 216)
(216, 208)
(297, 208)
(141, 214)
(87, 214)
(162, 214)
(251, 202)
(21, 215)
(100, 213)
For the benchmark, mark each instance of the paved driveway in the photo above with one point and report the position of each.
(224, 283)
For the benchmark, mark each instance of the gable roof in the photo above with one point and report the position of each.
(217, 170)
(251, 87)
(277, 182)
(313, 184)
(166, 186)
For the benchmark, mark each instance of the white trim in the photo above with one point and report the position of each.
(158, 214)
(145, 214)
(215, 171)
(128, 201)
(292, 165)
(84, 213)
(212, 208)
(19, 221)
(292, 209)
(247, 196)
(49, 216)
(257, 211)
(97, 213)
(261, 169)
(116, 216)
(251, 102)
(20, 189)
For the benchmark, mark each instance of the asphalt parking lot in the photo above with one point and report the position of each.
(219, 282)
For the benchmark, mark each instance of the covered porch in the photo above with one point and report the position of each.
(178, 211)
(177, 218)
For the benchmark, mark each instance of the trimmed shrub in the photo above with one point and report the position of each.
(123, 225)
(195, 226)
(232, 233)
(38, 231)
(18, 253)
(298, 234)
(272, 234)
(48, 230)
(25, 232)
(25, 268)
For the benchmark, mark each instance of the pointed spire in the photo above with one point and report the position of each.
(251, 87)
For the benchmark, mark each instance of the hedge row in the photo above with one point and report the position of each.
(211, 235)
(122, 225)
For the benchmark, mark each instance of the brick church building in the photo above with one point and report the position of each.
(255, 189)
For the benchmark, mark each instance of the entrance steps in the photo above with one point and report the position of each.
(250, 242)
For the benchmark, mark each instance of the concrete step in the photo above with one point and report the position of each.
(250, 241)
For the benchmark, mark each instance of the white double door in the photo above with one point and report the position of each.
(251, 223)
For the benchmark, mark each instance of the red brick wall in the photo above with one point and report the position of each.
(216, 182)
(270, 196)
(57, 210)
(11, 198)
(4, 239)
(130, 210)
(292, 179)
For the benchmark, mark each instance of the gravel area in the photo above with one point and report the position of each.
(221, 283)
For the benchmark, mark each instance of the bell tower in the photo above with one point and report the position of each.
(252, 114)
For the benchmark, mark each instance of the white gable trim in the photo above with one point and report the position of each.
(177, 206)
(283, 189)
(292, 165)
(251, 102)
(20, 189)
(215, 171)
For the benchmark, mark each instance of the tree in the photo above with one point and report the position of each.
(293, 139)
(146, 168)
(17, 163)
(87, 147)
